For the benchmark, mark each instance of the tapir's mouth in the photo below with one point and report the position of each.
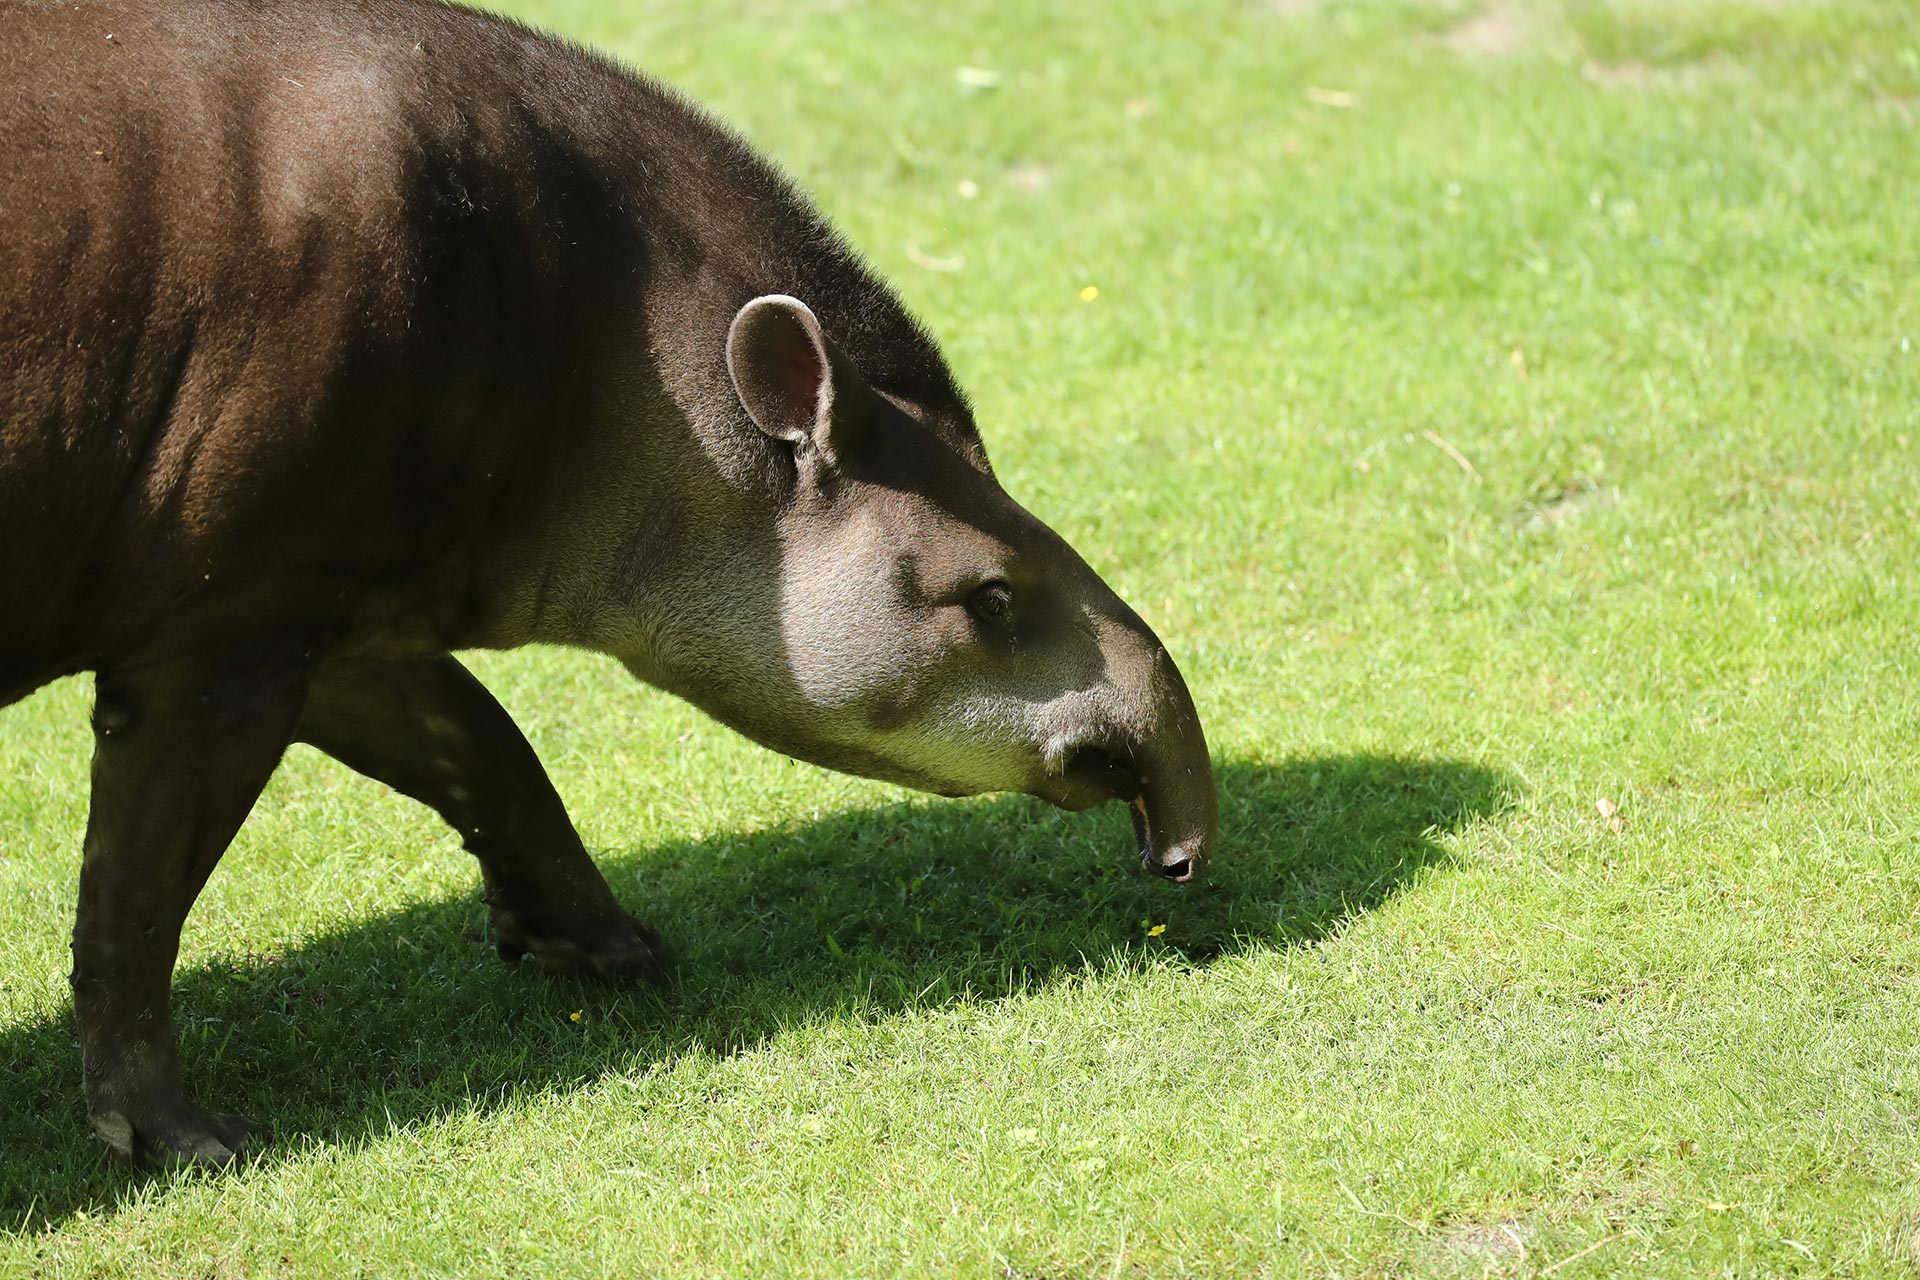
(1095, 774)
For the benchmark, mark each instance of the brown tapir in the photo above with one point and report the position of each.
(336, 335)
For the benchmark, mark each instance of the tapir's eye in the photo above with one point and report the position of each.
(991, 601)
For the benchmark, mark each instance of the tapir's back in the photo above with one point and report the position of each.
(240, 256)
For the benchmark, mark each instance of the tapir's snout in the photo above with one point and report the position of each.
(1150, 752)
(1178, 861)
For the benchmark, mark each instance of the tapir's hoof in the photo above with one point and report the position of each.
(620, 951)
(173, 1133)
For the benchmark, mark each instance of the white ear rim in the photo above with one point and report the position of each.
(777, 308)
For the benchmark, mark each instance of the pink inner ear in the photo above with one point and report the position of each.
(796, 373)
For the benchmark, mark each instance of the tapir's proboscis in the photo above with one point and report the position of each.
(339, 335)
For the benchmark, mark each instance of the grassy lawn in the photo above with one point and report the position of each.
(1509, 416)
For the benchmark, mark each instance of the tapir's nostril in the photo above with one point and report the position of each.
(1178, 869)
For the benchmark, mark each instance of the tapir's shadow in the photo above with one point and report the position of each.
(856, 916)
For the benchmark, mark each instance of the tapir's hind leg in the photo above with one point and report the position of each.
(181, 751)
(431, 731)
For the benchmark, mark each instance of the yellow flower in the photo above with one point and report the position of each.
(1156, 931)
(575, 1015)
(1089, 293)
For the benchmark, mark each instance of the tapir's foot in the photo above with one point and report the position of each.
(171, 1131)
(619, 949)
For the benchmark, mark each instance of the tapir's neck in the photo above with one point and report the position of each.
(630, 229)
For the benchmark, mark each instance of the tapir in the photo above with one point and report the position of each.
(337, 336)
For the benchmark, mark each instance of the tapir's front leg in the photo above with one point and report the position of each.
(181, 750)
(431, 731)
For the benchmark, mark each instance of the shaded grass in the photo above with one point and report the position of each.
(860, 917)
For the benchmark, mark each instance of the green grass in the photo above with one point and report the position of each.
(1430, 1015)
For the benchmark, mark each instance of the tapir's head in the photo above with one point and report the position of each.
(927, 630)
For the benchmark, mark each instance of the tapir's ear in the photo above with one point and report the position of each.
(795, 382)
